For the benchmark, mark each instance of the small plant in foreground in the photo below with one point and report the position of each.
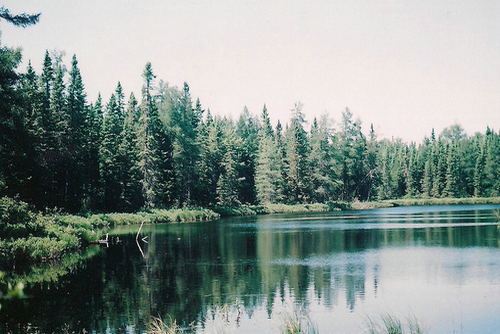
(158, 326)
(393, 325)
(297, 321)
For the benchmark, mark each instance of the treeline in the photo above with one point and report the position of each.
(163, 149)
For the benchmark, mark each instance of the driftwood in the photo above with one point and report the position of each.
(143, 239)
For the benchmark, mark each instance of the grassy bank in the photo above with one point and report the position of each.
(29, 237)
(251, 210)
(423, 201)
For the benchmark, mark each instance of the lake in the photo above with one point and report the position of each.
(439, 265)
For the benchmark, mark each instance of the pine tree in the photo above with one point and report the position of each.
(492, 165)
(94, 195)
(267, 172)
(322, 185)
(384, 190)
(57, 133)
(352, 146)
(31, 111)
(281, 181)
(247, 130)
(228, 182)
(479, 170)
(22, 20)
(452, 173)
(185, 151)
(130, 199)
(209, 142)
(78, 129)
(414, 174)
(297, 150)
(155, 150)
(110, 156)
(46, 79)
(371, 163)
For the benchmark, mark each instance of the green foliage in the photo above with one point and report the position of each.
(159, 326)
(20, 20)
(58, 151)
(297, 321)
(30, 236)
(392, 325)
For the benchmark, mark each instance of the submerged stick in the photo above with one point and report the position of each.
(137, 239)
(138, 232)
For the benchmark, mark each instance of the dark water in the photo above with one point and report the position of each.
(440, 265)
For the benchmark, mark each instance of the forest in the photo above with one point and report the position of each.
(164, 150)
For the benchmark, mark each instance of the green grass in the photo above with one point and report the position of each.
(156, 216)
(297, 321)
(28, 236)
(251, 210)
(158, 326)
(392, 325)
(423, 201)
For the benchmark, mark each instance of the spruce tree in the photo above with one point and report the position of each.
(130, 199)
(154, 149)
(110, 159)
(185, 150)
(352, 146)
(297, 151)
(57, 133)
(452, 173)
(267, 172)
(321, 180)
(479, 175)
(210, 144)
(228, 181)
(247, 129)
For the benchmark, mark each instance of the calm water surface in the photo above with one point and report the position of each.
(440, 265)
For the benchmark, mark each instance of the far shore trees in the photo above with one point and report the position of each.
(58, 150)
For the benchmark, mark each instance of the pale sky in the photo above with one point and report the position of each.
(405, 66)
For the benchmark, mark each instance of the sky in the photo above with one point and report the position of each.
(405, 66)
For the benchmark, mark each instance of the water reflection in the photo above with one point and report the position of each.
(340, 266)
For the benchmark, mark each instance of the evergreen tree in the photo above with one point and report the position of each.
(228, 182)
(185, 150)
(78, 130)
(440, 156)
(131, 199)
(479, 170)
(399, 170)
(22, 20)
(322, 186)
(282, 180)
(247, 130)
(110, 156)
(31, 112)
(452, 173)
(384, 190)
(297, 150)
(57, 133)
(46, 80)
(11, 178)
(154, 149)
(266, 170)
(94, 197)
(352, 146)
(414, 172)
(210, 144)
(371, 163)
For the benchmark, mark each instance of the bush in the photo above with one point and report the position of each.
(16, 219)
